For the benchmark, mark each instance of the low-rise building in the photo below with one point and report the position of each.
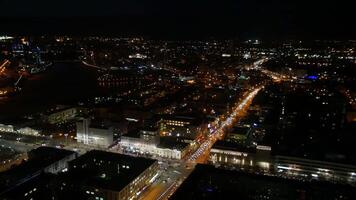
(19, 130)
(28, 131)
(164, 147)
(173, 149)
(7, 128)
(233, 154)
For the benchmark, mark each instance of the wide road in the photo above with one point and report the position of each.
(173, 174)
(276, 77)
(201, 155)
(170, 177)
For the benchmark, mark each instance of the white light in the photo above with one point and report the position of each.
(132, 120)
(226, 55)
(265, 148)
(283, 167)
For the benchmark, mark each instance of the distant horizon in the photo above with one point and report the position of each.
(271, 19)
(156, 27)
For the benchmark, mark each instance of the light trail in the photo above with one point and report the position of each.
(202, 153)
(3, 65)
(93, 66)
(277, 77)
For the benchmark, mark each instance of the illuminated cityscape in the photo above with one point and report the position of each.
(144, 102)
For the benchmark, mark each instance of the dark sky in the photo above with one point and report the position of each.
(260, 18)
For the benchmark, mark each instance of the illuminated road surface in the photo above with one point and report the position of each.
(3, 65)
(176, 173)
(277, 77)
(172, 174)
(201, 155)
(170, 178)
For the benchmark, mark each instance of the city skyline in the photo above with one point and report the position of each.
(177, 100)
(179, 19)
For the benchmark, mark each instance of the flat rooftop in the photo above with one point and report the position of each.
(208, 182)
(133, 134)
(239, 130)
(107, 170)
(185, 118)
(232, 146)
(171, 143)
(38, 159)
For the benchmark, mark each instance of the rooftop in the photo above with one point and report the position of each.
(133, 134)
(172, 143)
(39, 159)
(107, 170)
(240, 130)
(207, 182)
(232, 146)
(192, 119)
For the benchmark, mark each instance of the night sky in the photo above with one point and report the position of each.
(260, 18)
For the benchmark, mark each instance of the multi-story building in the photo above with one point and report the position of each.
(180, 126)
(96, 175)
(111, 176)
(40, 160)
(140, 143)
(95, 135)
(208, 182)
(66, 114)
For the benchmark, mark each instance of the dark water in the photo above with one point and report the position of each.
(63, 83)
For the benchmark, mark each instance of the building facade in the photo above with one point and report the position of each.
(180, 126)
(94, 136)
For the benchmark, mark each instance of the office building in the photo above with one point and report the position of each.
(111, 176)
(94, 134)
